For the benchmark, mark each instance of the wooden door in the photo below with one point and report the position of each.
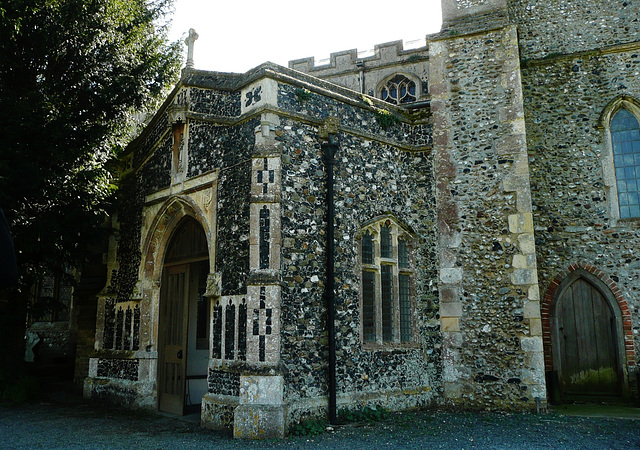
(173, 339)
(586, 343)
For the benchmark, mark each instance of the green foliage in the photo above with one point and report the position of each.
(72, 74)
(385, 119)
(367, 100)
(302, 95)
(365, 414)
(309, 427)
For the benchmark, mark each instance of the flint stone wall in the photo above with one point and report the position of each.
(563, 101)
(547, 28)
(371, 179)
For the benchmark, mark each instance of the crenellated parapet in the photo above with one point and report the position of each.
(363, 73)
(388, 53)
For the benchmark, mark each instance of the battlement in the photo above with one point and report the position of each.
(383, 55)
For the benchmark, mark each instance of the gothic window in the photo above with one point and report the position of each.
(625, 142)
(387, 283)
(399, 90)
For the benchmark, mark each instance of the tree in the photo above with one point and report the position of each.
(72, 72)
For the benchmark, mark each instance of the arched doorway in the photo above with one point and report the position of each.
(587, 339)
(183, 331)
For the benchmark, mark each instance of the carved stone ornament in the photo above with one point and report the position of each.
(214, 285)
(189, 41)
(137, 291)
(177, 114)
(330, 126)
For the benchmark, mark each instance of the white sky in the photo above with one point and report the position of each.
(235, 36)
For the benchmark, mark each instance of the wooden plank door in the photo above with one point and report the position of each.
(173, 339)
(586, 335)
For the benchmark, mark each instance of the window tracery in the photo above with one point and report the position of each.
(399, 90)
(387, 283)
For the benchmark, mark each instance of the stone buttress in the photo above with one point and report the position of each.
(489, 297)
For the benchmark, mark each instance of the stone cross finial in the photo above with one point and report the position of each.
(189, 41)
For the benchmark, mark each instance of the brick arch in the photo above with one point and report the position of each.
(548, 303)
(161, 231)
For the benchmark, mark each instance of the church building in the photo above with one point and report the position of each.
(455, 225)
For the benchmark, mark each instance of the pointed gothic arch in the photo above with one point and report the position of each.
(183, 308)
(623, 203)
(387, 275)
(599, 319)
(161, 230)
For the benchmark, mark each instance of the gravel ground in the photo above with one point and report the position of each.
(82, 424)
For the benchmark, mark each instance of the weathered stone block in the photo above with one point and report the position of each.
(527, 243)
(534, 292)
(519, 262)
(531, 310)
(451, 275)
(531, 344)
(521, 223)
(448, 324)
(453, 309)
(452, 389)
(535, 326)
(259, 422)
(261, 390)
(524, 276)
(449, 294)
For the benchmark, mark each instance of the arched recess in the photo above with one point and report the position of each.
(615, 105)
(587, 335)
(632, 105)
(178, 256)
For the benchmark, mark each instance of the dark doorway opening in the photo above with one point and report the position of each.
(183, 331)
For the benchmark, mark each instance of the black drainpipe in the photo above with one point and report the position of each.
(330, 148)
